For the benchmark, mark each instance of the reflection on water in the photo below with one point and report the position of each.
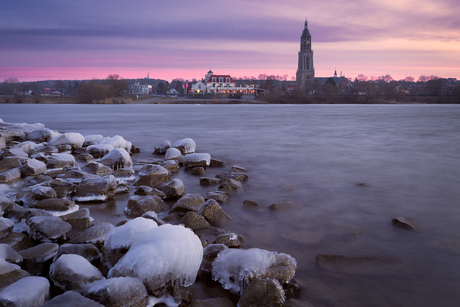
(407, 156)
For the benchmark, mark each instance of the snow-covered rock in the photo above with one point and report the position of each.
(10, 273)
(98, 151)
(32, 291)
(59, 160)
(32, 167)
(119, 291)
(95, 235)
(156, 175)
(186, 146)
(42, 135)
(96, 189)
(117, 158)
(73, 139)
(161, 256)
(88, 251)
(173, 189)
(71, 299)
(48, 228)
(6, 225)
(9, 254)
(73, 272)
(174, 154)
(10, 175)
(92, 139)
(162, 147)
(197, 159)
(235, 268)
(117, 142)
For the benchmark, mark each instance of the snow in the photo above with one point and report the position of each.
(72, 208)
(69, 138)
(117, 142)
(118, 158)
(235, 268)
(164, 254)
(173, 154)
(99, 197)
(42, 134)
(29, 291)
(92, 139)
(187, 144)
(165, 299)
(197, 157)
(99, 150)
(125, 235)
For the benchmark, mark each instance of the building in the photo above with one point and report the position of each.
(199, 88)
(305, 71)
(140, 89)
(219, 83)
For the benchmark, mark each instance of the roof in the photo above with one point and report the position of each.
(219, 76)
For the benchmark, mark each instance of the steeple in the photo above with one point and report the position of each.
(305, 72)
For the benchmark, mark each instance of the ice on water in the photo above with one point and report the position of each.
(164, 254)
(125, 235)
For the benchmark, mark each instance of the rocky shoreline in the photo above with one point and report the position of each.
(171, 250)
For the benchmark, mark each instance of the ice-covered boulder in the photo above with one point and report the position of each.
(229, 239)
(48, 228)
(117, 142)
(42, 135)
(96, 189)
(10, 273)
(62, 187)
(263, 292)
(60, 205)
(162, 147)
(73, 139)
(60, 160)
(92, 139)
(37, 259)
(174, 154)
(37, 193)
(173, 189)
(235, 268)
(97, 168)
(119, 291)
(10, 175)
(171, 165)
(31, 291)
(98, 151)
(9, 254)
(9, 163)
(156, 175)
(186, 146)
(117, 158)
(197, 159)
(188, 202)
(6, 225)
(164, 255)
(10, 135)
(88, 251)
(73, 272)
(71, 299)
(16, 153)
(32, 167)
(120, 238)
(79, 220)
(96, 234)
(138, 205)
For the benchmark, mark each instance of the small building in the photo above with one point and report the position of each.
(140, 89)
(199, 88)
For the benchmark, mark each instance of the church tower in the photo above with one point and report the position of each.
(305, 72)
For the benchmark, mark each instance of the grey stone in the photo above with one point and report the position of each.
(88, 251)
(214, 214)
(17, 240)
(252, 205)
(96, 234)
(118, 292)
(229, 239)
(171, 165)
(188, 202)
(194, 221)
(403, 222)
(117, 158)
(173, 189)
(10, 273)
(156, 175)
(79, 220)
(31, 291)
(33, 168)
(146, 190)
(60, 160)
(220, 196)
(9, 254)
(261, 293)
(138, 205)
(97, 169)
(231, 185)
(71, 299)
(10, 175)
(97, 189)
(174, 154)
(37, 259)
(6, 225)
(62, 187)
(48, 228)
(54, 204)
(209, 181)
(162, 147)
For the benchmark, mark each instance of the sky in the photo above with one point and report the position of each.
(90, 39)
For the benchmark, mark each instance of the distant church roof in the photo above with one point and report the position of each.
(210, 72)
(305, 30)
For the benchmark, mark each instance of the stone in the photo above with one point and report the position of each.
(285, 206)
(48, 228)
(156, 175)
(6, 226)
(117, 158)
(217, 163)
(186, 146)
(153, 216)
(9, 254)
(99, 151)
(10, 175)
(73, 139)
(231, 185)
(146, 190)
(36, 194)
(403, 222)
(210, 253)
(31, 291)
(239, 169)
(42, 135)
(92, 139)
(233, 175)
(173, 189)
(96, 234)
(198, 171)
(209, 181)
(162, 147)
(97, 189)
(213, 302)
(261, 293)
(208, 235)
(197, 160)
(79, 220)
(88, 251)
(73, 272)
(174, 154)
(119, 291)
(85, 157)
(15, 153)
(126, 174)
(9, 163)
(54, 204)
(229, 239)
(214, 214)
(171, 165)
(10, 273)
(251, 205)
(97, 168)
(62, 187)
(220, 196)
(17, 240)
(188, 202)
(138, 205)
(292, 289)
(60, 160)
(5, 204)
(194, 221)
(32, 168)
(2, 143)
(71, 299)
(37, 259)
(47, 149)
(10, 135)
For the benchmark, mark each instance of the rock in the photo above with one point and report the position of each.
(208, 235)
(213, 302)
(156, 175)
(99, 151)
(37, 259)
(60, 160)
(119, 291)
(62, 187)
(261, 293)
(48, 228)
(144, 190)
(9, 163)
(292, 289)
(210, 253)
(64, 148)
(71, 299)
(5, 204)
(98, 189)
(6, 226)
(194, 221)
(188, 202)
(209, 181)
(73, 272)
(233, 175)
(403, 222)
(217, 163)
(17, 240)
(220, 196)
(97, 169)
(36, 194)
(96, 234)
(117, 142)
(79, 220)
(85, 157)
(126, 174)
(2, 143)
(231, 185)
(10, 135)
(197, 160)
(162, 147)
(173, 189)
(73, 139)
(55, 204)
(198, 171)
(165, 255)
(238, 169)
(117, 158)
(153, 216)
(76, 175)
(87, 251)
(174, 154)
(15, 153)
(41, 135)
(47, 149)
(285, 206)
(32, 168)
(214, 214)
(10, 175)
(10, 273)
(9, 254)
(229, 239)
(252, 205)
(92, 139)
(31, 291)
(186, 146)
(171, 165)
(138, 205)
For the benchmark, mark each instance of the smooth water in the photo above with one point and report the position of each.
(408, 157)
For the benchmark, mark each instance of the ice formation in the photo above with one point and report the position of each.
(69, 138)
(186, 146)
(117, 158)
(124, 236)
(92, 139)
(235, 268)
(42, 135)
(117, 142)
(197, 157)
(32, 291)
(164, 254)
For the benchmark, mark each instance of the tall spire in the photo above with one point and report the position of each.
(305, 30)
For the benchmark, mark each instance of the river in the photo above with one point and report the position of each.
(352, 168)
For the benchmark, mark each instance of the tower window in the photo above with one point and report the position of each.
(307, 62)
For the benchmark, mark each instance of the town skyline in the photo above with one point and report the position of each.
(51, 40)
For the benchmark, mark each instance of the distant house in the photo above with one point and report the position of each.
(199, 88)
(140, 89)
(56, 94)
(219, 83)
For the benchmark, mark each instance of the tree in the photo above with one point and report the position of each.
(93, 91)
(409, 79)
(10, 86)
(330, 87)
(117, 85)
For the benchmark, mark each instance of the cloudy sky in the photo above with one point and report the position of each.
(85, 39)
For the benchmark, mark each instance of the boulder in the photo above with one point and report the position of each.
(171, 165)
(97, 169)
(156, 175)
(173, 189)
(217, 163)
(229, 239)
(55, 204)
(6, 226)
(119, 291)
(9, 163)
(186, 146)
(10, 175)
(210, 253)
(73, 272)
(117, 142)
(117, 158)
(88, 251)
(153, 216)
(41, 135)
(73, 139)
(62, 187)
(76, 175)
(208, 235)
(198, 171)
(60, 160)
(261, 293)
(10, 273)
(2, 143)
(403, 222)
(213, 302)
(98, 151)
(251, 205)
(79, 220)
(174, 154)
(9, 254)
(37, 259)
(92, 139)
(145, 190)
(238, 169)
(97, 189)
(32, 167)
(71, 299)
(31, 291)
(197, 160)
(214, 214)
(48, 228)
(10, 135)
(209, 181)
(15, 153)
(231, 185)
(220, 196)
(17, 240)
(138, 205)
(36, 194)
(188, 202)
(96, 234)
(85, 157)
(194, 221)
(162, 147)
